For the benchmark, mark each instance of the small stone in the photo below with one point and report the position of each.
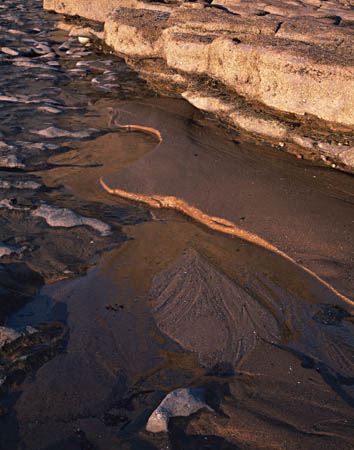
(9, 51)
(53, 63)
(41, 49)
(83, 40)
(49, 109)
(12, 31)
(181, 402)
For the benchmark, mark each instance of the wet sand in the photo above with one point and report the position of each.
(271, 342)
(251, 297)
(287, 380)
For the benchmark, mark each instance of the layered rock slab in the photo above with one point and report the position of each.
(261, 59)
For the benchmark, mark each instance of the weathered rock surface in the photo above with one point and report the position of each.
(181, 402)
(257, 65)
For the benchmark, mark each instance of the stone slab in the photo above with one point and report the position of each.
(262, 55)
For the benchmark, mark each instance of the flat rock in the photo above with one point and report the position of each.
(181, 402)
(54, 132)
(49, 109)
(264, 51)
(9, 51)
(64, 217)
(14, 184)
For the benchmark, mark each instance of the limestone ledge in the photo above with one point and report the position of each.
(280, 70)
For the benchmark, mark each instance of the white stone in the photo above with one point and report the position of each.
(64, 217)
(53, 132)
(83, 40)
(181, 402)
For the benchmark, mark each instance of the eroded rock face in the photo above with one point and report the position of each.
(274, 73)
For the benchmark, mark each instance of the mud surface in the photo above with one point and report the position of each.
(249, 298)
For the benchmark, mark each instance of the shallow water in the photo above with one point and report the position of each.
(163, 301)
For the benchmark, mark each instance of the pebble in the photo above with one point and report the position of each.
(48, 56)
(83, 63)
(53, 63)
(8, 98)
(42, 49)
(9, 51)
(30, 64)
(12, 31)
(47, 76)
(49, 109)
(83, 40)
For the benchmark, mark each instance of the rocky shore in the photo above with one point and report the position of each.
(220, 315)
(282, 71)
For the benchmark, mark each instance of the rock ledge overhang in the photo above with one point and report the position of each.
(279, 70)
